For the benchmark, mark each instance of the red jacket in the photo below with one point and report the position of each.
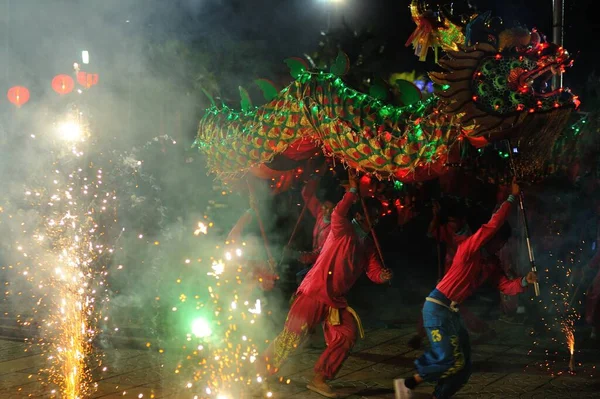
(469, 269)
(342, 260)
(322, 226)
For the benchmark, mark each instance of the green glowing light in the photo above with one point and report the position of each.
(201, 328)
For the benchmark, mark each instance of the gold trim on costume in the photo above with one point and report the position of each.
(335, 320)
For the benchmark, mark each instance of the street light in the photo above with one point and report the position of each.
(85, 57)
(331, 3)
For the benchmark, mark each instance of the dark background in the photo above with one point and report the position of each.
(43, 39)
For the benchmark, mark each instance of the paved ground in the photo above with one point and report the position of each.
(503, 368)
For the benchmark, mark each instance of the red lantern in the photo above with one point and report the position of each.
(63, 84)
(87, 80)
(18, 95)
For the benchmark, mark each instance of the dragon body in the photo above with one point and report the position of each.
(489, 90)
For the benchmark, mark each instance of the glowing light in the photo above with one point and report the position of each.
(85, 57)
(257, 308)
(218, 268)
(202, 229)
(70, 131)
(201, 328)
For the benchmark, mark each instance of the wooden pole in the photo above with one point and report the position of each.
(375, 240)
(558, 21)
(536, 286)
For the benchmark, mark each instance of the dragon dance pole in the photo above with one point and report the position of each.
(536, 286)
(558, 21)
(375, 240)
(301, 216)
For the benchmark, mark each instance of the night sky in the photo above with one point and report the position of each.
(45, 40)
(291, 27)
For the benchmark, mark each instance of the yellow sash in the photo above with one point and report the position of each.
(334, 319)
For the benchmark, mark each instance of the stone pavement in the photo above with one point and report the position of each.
(503, 368)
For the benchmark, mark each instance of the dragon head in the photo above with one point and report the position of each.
(501, 88)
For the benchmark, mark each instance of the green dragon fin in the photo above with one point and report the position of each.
(268, 88)
(246, 103)
(297, 66)
(341, 66)
(409, 93)
(210, 98)
(378, 90)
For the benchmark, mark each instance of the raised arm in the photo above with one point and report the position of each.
(339, 216)
(488, 230)
(310, 198)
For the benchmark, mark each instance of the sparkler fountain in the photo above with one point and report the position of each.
(62, 251)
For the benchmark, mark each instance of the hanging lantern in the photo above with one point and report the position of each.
(87, 80)
(63, 84)
(18, 95)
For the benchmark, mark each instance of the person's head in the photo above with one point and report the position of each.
(373, 207)
(327, 207)
(454, 216)
(496, 243)
(328, 199)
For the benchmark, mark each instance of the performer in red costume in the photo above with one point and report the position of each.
(347, 253)
(450, 229)
(449, 359)
(321, 211)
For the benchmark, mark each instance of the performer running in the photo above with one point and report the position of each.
(450, 227)
(346, 254)
(449, 360)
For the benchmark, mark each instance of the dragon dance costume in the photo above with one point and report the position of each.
(452, 240)
(449, 360)
(320, 231)
(347, 253)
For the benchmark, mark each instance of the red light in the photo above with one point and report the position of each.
(498, 56)
(520, 107)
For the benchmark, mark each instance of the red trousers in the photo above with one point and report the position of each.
(306, 314)
(592, 303)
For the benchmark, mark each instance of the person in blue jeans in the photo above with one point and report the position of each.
(448, 361)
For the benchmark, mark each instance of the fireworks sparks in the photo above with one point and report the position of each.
(64, 253)
(564, 314)
(202, 229)
(62, 259)
(222, 342)
(61, 253)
